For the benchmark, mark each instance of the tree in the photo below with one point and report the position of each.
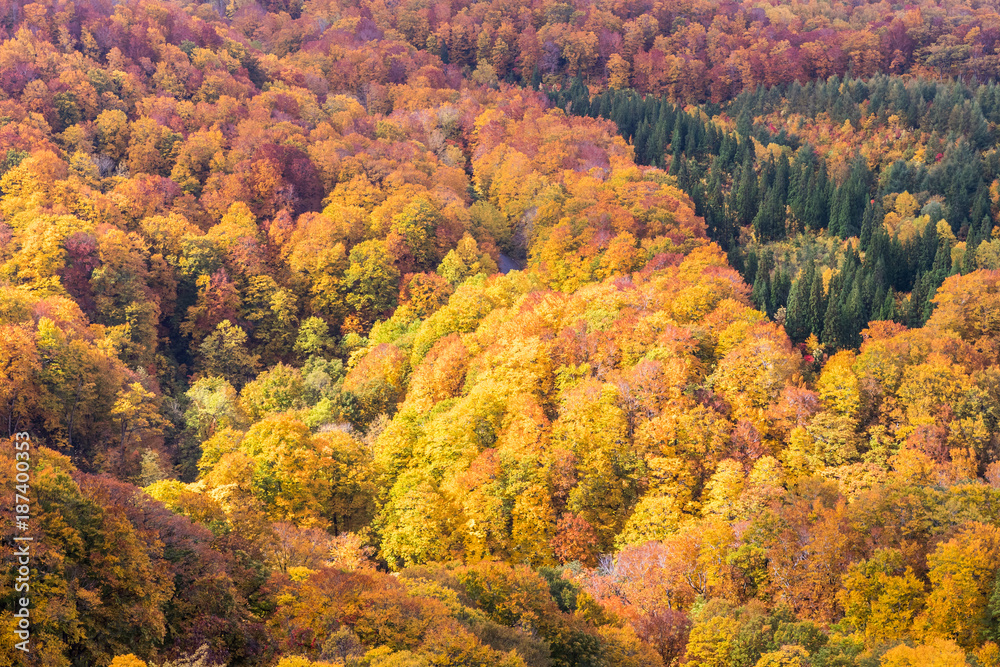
(378, 383)
(618, 72)
(309, 480)
(199, 658)
(409, 241)
(342, 645)
(465, 260)
(595, 429)
(749, 383)
(224, 353)
(120, 286)
(786, 656)
(19, 370)
(838, 386)
(936, 653)
(371, 281)
(314, 338)
(278, 389)
(881, 597)
(961, 574)
(136, 412)
(218, 300)
(213, 405)
(112, 134)
(415, 522)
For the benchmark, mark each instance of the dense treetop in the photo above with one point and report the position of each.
(491, 333)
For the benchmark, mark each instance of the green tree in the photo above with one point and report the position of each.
(224, 353)
(371, 282)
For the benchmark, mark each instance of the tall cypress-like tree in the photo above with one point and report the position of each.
(831, 321)
(781, 287)
(765, 222)
(817, 304)
(761, 293)
(797, 310)
(819, 192)
(871, 218)
(676, 147)
(888, 308)
(853, 318)
(914, 315)
(747, 198)
(850, 201)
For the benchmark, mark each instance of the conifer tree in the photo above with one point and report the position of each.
(817, 305)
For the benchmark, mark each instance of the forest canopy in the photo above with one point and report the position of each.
(548, 334)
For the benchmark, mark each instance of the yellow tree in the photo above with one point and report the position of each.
(962, 573)
(415, 523)
(881, 597)
(618, 72)
(935, 653)
(595, 429)
(838, 386)
(752, 375)
(19, 369)
(136, 411)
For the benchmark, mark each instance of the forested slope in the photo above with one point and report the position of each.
(740, 407)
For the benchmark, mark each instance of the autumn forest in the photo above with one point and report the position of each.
(483, 333)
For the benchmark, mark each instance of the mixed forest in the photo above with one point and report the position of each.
(478, 333)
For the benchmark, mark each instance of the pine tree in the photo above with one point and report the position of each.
(853, 318)
(838, 212)
(761, 293)
(817, 304)
(769, 222)
(744, 123)
(831, 322)
(781, 288)
(888, 309)
(640, 142)
(750, 262)
(969, 260)
(676, 146)
(796, 312)
(928, 247)
(747, 196)
(871, 218)
(819, 193)
(914, 318)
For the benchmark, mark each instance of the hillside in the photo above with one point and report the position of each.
(481, 333)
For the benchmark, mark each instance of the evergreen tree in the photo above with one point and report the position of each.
(850, 201)
(744, 123)
(888, 311)
(750, 263)
(817, 304)
(769, 222)
(796, 312)
(747, 198)
(853, 318)
(969, 260)
(831, 321)
(676, 146)
(914, 316)
(872, 217)
(761, 293)
(781, 288)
